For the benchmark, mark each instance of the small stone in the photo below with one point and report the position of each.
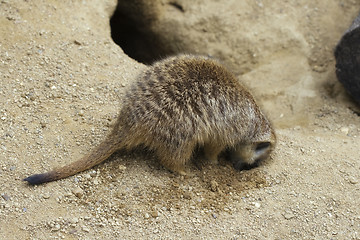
(256, 204)
(43, 124)
(74, 220)
(67, 194)
(214, 186)
(85, 229)
(154, 214)
(46, 196)
(288, 215)
(88, 176)
(146, 216)
(187, 195)
(214, 215)
(353, 180)
(78, 192)
(344, 130)
(77, 42)
(122, 168)
(5, 197)
(297, 128)
(56, 228)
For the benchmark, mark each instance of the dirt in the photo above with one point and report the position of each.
(62, 81)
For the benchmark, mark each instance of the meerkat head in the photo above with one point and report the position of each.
(247, 155)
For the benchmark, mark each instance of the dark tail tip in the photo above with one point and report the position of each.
(38, 178)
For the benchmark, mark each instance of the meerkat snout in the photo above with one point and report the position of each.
(249, 155)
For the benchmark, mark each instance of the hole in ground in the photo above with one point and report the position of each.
(132, 29)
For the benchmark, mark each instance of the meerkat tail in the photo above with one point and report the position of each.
(96, 156)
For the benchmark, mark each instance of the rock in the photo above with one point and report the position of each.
(347, 54)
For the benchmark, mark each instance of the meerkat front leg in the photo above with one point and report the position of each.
(212, 151)
(175, 160)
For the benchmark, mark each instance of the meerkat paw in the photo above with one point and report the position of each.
(214, 161)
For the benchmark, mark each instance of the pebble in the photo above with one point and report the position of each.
(146, 216)
(288, 215)
(93, 173)
(74, 220)
(46, 196)
(256, 204)
(5, 197)
(56, 228)
(187, 195)
(353, 180)
(88, 176)
(154, 214)
(214, 186)
(78, 192)
(67, 194)
(344, 130)
(85, 229)
(43, 124)
(122, 168)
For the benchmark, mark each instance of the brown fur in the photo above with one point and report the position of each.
(177, 104)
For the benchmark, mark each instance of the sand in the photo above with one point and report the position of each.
(62, 82)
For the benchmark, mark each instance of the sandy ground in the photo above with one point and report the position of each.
(62, 81)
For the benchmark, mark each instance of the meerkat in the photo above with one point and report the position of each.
(177, 105)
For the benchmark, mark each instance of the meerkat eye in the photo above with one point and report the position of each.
(262, 146)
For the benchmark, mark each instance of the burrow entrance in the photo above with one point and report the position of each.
(132, 28)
